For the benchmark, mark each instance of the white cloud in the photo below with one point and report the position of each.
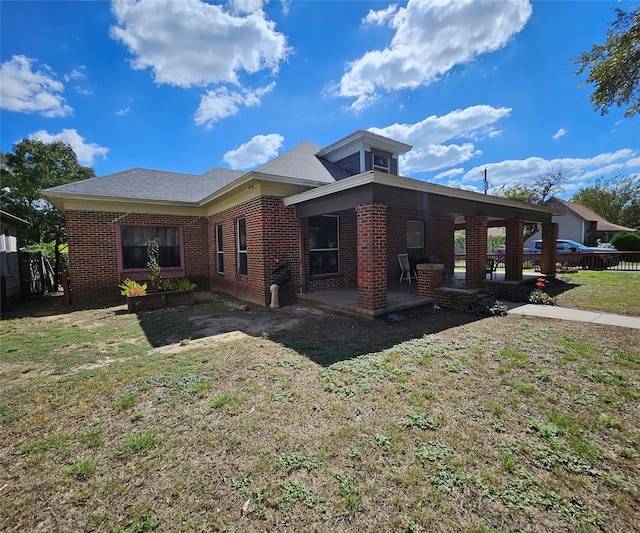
(431, 37)
(245, 6)
(192, 43)
(449, 173)
(579, 170)
(124, 111)
(221, 103)
(25, 90)
(431, 137)
(79, 73)
(86, 152)
(377, 18)
(560, 133)
(258, 150)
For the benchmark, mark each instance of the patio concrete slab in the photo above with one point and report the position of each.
(578, 315)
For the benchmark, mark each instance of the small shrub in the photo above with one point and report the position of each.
(486, 306)
(626, 241)
(130, 287)
(540, 297)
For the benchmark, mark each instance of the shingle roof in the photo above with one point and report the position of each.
(301, 162)
(602, 224)
(146, 184)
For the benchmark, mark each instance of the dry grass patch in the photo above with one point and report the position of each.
(497, 425)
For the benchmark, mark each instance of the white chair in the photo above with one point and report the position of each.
(406, 271)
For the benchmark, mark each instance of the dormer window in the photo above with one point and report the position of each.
(381, 162)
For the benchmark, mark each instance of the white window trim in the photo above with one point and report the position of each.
(335, 249)
(219, 249)
(239, 250)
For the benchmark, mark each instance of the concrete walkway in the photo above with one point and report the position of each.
(578, 315)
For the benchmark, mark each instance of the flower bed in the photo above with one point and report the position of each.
(157, 300)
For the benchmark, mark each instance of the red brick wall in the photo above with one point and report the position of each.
(348, 276)
(272, 233)
(372, 256)
(548, 252)
(396, 244)
(514, 242)
(439, 241)
(93, 254)
(476, 251)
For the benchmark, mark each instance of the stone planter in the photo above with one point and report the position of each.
(156, 300)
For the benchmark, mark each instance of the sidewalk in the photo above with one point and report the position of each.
(578, 315)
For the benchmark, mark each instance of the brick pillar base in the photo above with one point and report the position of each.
(429, 278)
(372, 256)
(476, 257)
(514, 243)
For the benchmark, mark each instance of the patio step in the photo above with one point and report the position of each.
(455, 298)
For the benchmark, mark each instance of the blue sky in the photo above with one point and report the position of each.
(186, 85)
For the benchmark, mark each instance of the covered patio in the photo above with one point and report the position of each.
(404, 296)
(375, 210)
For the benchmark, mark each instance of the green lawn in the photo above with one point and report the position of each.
(441, 422)
(610, 291)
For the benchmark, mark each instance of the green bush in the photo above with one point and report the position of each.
(627, 241)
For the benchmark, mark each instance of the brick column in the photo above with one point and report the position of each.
(429, 278)
(514, 244)
(372, 256)
(476, 250)
(548, 255)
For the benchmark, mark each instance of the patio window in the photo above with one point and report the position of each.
(219, 250)
(323, 245)
(415, 238)
(241, 236)
(133, 246)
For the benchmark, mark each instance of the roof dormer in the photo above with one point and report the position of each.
(363, 150)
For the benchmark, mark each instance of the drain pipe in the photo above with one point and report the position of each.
(274, 296)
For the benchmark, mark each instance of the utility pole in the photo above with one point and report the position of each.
(486, 183)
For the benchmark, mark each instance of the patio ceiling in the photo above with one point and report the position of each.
(413, 198)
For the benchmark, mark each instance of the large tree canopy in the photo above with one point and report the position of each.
(32, 166)
(617, 200)
(614, 67)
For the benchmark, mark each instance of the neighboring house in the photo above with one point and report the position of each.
(9, 262)
(337, 216)
(581, 224)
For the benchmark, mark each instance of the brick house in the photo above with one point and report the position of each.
(337, 216)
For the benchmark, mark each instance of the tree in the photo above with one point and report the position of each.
(617, 200)
(32, 166)
(35, 165)
(614, 67)
(543, 187)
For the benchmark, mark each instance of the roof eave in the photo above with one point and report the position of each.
(372, 176)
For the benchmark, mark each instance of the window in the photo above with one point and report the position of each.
(133, 246)
(381, 162)
(219, 250)
(415, 238)
(323, 245)
(241, 234)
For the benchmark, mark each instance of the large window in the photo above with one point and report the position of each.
(219, 250)
(241, 235)
(323, 245)
(134, 240)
